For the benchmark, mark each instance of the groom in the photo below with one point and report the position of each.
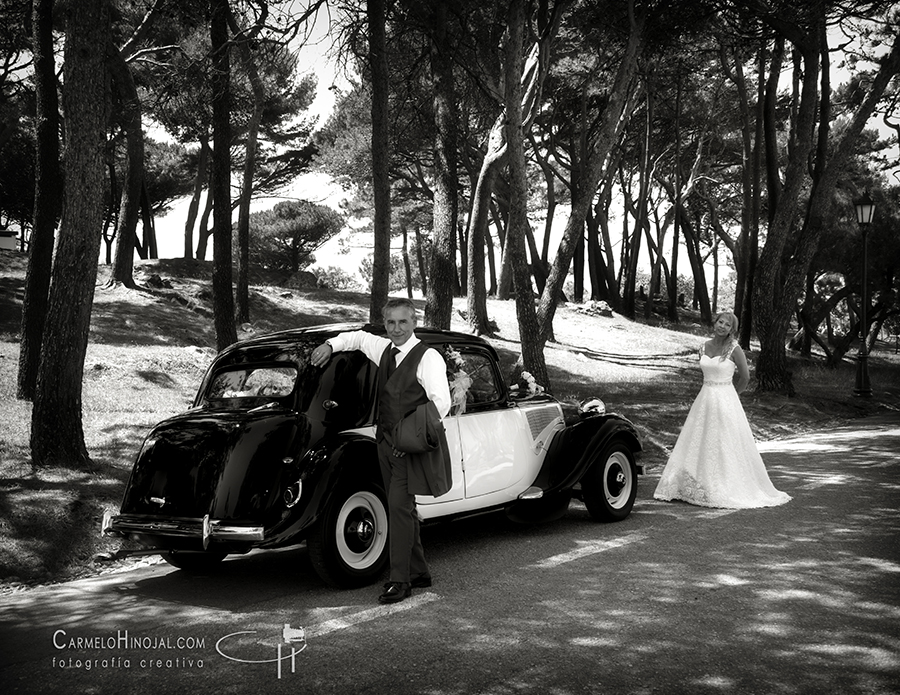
(410, 374)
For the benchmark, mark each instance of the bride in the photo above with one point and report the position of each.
(715, 462)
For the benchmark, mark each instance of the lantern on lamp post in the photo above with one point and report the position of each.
(865, 209)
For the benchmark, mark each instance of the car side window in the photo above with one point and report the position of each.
(484, 385)
(342, 392)
(253, 382)
(472, 378)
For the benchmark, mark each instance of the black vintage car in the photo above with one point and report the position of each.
(275, 451)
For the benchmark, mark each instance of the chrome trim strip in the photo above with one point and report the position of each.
(206, 531)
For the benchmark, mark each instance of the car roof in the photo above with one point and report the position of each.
(426, 334)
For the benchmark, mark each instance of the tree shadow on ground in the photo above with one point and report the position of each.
(51, 522)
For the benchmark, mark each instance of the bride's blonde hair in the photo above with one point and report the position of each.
(733, 333)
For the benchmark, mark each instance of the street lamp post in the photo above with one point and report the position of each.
(865, 209)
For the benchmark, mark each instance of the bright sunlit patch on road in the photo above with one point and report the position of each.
(872, 657)
(593, 642)
(880, 564)
(772, 630)
(587, 548)
(828, 441)
(880, 610)
(825, 480)
(794, 447)
(365, 616)
(730, 580)
(681, 510)
(721, 682)
(805, 595)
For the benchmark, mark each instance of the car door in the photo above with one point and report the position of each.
(481, 461)
(487, 429)
(502, 440)
(496, 444)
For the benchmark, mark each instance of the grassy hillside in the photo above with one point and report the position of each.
(149, 348)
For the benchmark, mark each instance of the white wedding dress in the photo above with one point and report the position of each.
(715, 462)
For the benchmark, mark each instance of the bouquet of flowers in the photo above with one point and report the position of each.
(458, 379)
(530, 384)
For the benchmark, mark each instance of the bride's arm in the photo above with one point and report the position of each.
(743, 371)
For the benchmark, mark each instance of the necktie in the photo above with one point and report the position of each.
(392, 365)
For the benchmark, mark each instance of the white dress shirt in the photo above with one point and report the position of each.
(431, 372)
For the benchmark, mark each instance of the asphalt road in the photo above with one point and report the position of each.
(803, 598)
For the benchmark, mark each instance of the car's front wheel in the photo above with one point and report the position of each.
(348, 545)
(610, 484)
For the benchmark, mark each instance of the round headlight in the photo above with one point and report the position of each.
(592, 406)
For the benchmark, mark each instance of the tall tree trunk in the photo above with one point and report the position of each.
(111, 220)
(771, 307)
(804, 315)
(797, 255)
(420, 261)
(204, 231)
(381, 183)
(129, 208)
(672, 308)
(407, 267)
(537, 265)
(223, 297)
(550, 185)
(57, 437)
(147, 223)
(529, 331)
(476, 294)
(578, 271)
(504, 280)
(492, 262)
(596, 265)
(531, 79)
(602, 215)
(615, 117)
(243, 230)
(746, 308)
(439, 292)
(194, 205)
(701, 292)
(640, 217)
(47, 199)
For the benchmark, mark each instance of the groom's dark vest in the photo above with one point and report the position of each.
(399, 391)
(399, 394)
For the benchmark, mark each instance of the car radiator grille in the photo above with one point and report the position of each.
(540, 417)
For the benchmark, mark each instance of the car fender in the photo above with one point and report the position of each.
(354, 457)
(572, 450)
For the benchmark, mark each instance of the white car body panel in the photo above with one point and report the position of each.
(495, 456)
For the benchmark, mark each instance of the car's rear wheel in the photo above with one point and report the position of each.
(610, 484)
(348, 546)
(193, 561)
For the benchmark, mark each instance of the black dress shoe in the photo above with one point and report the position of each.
(394, 592)
(420, 581)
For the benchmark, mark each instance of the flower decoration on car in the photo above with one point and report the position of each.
(458, 378)
(526, 386)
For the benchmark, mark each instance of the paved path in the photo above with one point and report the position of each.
(803, 598)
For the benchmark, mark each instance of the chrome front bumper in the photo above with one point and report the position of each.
(204, 528)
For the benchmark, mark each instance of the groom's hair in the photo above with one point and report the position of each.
(396, 303)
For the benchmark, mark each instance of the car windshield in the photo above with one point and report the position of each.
(253, 382)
